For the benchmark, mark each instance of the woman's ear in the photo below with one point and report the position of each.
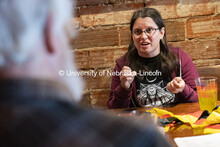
(162, 32)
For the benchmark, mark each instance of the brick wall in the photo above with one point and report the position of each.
(103, 36)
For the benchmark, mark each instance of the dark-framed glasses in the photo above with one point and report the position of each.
(148, 31)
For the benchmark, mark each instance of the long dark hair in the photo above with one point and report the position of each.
(168, 60)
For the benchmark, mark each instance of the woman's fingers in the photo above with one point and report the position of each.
(127, 77)
(176, 85)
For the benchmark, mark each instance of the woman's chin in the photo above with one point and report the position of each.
(144, 52)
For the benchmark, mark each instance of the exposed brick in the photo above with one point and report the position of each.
(129, 6)
(95, 99)
(160, 2)
(122, 17)
(76, 13)
(207, 62)
(101, 81)
(203, 27)
(105, 58)
(175, 30)
(96, 9)
(119, 52)
(125, 35)
(80, 3)
(198, 50)
(193, 8)
(81, 59)
(99, 58)
(109, 8)
(167, 8)
(128, 1)
(97, 19)
(111, 18)
(217, 4)
(83, 3)
(100, 98)
(98, 37)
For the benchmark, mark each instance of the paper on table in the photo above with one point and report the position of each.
(211, 140)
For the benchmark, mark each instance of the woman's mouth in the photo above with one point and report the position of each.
(145, 44)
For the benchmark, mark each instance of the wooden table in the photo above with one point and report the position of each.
(177, 109)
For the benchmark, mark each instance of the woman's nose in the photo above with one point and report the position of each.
(144, 35)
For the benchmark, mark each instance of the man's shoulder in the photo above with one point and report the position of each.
(81, 127)
(132, 132)
(113, 130)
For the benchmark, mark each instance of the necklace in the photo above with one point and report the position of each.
(151, 81)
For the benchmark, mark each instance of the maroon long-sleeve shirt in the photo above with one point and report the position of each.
(121, 98)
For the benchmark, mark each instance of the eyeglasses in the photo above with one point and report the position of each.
(148, 31)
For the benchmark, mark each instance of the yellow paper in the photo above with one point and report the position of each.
(213, 118)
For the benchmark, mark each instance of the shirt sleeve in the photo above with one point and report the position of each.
(189, 74)
(119, 97)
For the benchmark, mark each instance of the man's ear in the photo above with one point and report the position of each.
(49, 36)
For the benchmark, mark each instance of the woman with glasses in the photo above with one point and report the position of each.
(151, 72)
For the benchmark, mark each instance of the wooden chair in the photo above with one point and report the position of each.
(211, 71)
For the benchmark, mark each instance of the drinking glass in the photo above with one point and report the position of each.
(207, 92)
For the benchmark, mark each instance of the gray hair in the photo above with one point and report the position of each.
(22, 24)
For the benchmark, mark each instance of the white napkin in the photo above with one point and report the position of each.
(211, 140)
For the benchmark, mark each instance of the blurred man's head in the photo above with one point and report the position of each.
(34, 42)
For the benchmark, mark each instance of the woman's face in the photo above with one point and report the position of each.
(146, 37)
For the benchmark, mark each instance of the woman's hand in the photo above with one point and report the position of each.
(176, 85)
(127, 77)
